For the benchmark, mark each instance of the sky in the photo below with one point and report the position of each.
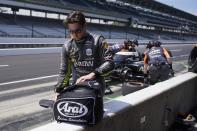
(189, 6)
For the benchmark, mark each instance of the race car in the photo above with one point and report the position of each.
(129, 69)
(128, 64)
(192, 61)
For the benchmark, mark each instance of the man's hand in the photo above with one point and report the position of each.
(86, 77)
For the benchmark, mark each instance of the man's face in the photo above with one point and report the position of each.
(76, 31)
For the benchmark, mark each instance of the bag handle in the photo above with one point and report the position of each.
(72, 87)
(46, 103)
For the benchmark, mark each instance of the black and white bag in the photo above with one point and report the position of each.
(80, 104)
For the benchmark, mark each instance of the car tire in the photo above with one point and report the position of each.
(129, 87)
(192, 61)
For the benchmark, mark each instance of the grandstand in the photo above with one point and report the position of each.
(139, 19)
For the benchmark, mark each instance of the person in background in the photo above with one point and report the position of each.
(156, 63)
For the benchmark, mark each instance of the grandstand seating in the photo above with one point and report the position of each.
(22, 26)
(116, 9)
(15, 30)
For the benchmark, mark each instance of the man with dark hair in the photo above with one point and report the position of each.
(84, 55)
(75, 17)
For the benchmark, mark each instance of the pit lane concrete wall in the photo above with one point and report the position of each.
(151, 109)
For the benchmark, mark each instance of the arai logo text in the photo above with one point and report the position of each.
(72, 109)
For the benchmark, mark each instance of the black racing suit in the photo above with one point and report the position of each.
(83, 57)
